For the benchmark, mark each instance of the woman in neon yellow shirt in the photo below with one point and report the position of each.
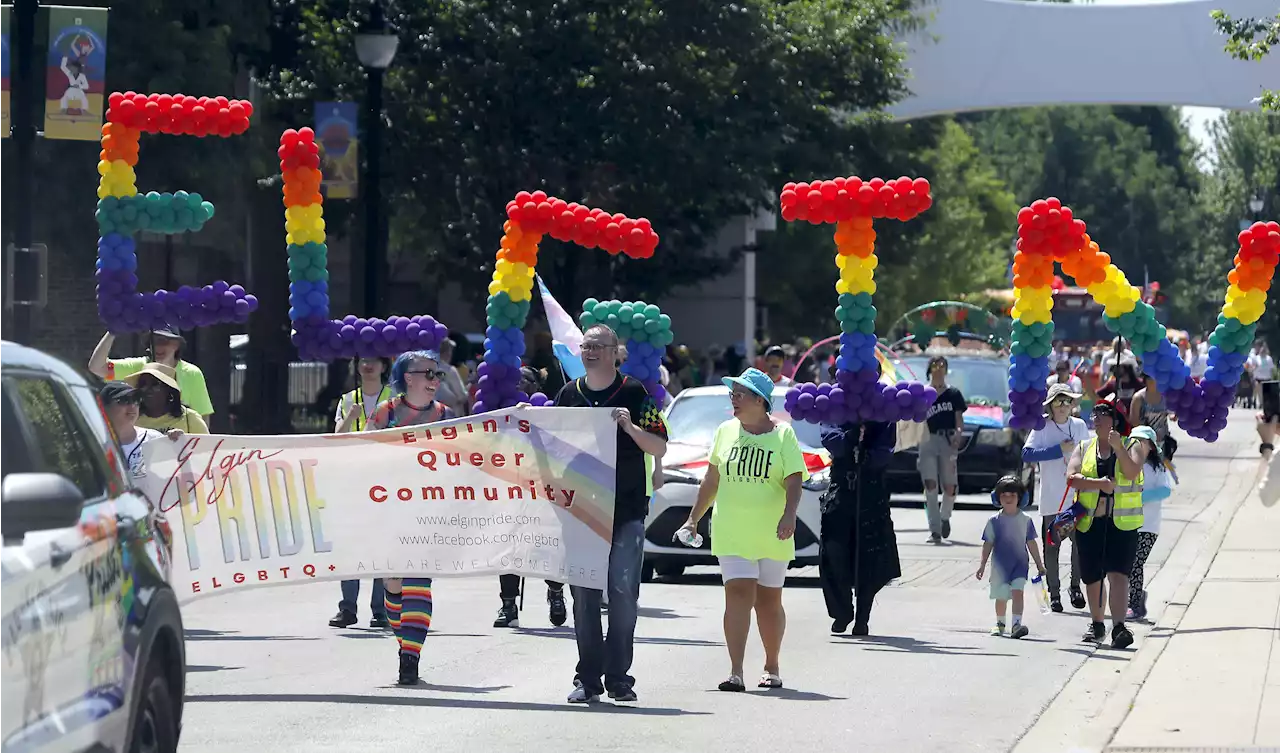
(755, 471)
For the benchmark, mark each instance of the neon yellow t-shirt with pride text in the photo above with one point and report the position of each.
(752, 493)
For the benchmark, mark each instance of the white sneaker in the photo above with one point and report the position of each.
(581, 695)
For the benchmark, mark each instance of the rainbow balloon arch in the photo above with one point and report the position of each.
(1047, 233)
(853, 205)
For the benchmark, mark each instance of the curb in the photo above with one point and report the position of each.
(1096, 700)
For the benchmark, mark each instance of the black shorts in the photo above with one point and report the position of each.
(1105, 549)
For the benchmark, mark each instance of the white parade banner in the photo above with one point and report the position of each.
(524, 490)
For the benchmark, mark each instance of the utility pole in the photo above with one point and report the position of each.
(22, 262)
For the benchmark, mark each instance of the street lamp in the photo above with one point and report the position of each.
(376, 47)
(1255, 203)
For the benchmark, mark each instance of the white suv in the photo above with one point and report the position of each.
(692, 420)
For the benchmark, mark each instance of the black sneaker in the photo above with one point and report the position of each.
(343, 619)
(380, 621)
(1077, 597)
(1055, 603)
(946, 529)
(623, 694)
(558, 611)
(508, 615)
(408, 670)
(1095, 633)
(839, 626)
(1121, 637)
(860, 628)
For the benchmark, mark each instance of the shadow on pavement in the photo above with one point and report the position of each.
(231, 635)
(1224, 629)
(208, 668)
(791, 694)
(1093, 653)
(453, 688)
(567, 633)
(904, 645)
(453, 703)
(658, 613)
(713, 579)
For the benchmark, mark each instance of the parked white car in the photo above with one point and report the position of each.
(692, 420)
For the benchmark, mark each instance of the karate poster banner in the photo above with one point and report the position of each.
(75, 78)
(523, 490)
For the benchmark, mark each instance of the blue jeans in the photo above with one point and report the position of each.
(351, 592)
(611, 657)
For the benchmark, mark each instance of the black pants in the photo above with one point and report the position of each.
(836, 567)
(509, 585)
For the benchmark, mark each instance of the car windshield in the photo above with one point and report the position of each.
(982, 381)
(693, 419)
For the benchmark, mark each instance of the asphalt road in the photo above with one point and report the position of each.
(266, 673)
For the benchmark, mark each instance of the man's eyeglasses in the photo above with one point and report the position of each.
(429, 373)
(593, 347)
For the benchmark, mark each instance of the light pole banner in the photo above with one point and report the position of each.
(338, 134)
(76, 78)
(523, 490)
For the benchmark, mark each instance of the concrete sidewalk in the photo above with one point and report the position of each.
(1216, 682)
(1206, 676)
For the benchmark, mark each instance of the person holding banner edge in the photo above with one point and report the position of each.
(641, 431)
(415, 377)
(354, 411)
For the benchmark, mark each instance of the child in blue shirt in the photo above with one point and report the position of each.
(1006, 540)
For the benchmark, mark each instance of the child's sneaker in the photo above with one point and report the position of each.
(998, 629)
(1019, 631)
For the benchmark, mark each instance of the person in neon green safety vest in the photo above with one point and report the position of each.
(1107, 471)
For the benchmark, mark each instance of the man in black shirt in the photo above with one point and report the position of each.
(641, 431)
(938, 451)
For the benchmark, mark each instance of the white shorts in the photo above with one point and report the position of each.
(767, 573)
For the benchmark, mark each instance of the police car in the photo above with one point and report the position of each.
(93, 655)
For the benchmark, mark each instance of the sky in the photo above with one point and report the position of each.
(1198, 118)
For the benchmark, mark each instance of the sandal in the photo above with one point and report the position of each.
(733, 685)
(770, 680)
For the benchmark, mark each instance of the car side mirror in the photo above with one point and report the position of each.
(38, 502)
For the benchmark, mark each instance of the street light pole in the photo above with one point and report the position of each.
(21, 265)
(376, 47)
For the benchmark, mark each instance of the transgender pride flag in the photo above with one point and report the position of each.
(566, 338)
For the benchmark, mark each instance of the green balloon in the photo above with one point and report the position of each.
(651, 326)
(867, 327)
(601, 311)
(848, 326)
(625, 313)
(870, 313)
(587, 319)
(612, 322)
(665, 321)
(589, 304)
(623, 331)
(651, 311)
(863, 300)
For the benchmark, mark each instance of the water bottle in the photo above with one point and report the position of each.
(688, 536)
(1042, 593)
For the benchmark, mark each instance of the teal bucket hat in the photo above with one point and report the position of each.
(753, 379)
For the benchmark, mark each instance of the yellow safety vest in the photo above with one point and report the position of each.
(357, 398)
(1126, 508)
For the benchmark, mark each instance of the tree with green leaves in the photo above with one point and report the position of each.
(1128, 172)
(1251, 39)
(686, 113)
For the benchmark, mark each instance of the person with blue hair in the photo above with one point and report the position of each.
(415, 377)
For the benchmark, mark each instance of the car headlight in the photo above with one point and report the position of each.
(818, 481)
(996, 437)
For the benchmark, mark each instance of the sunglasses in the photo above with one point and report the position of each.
(429, 373)
(1062, 401)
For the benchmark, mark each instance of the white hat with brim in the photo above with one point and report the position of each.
(1057, 391)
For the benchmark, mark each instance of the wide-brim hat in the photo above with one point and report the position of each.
(166, 375)
(1057, 391)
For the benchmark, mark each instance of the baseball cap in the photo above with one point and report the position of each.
(118, 392)
(775, 350)
(753, 379)
(169, 334)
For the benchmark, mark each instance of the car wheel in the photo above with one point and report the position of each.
(670, 570)
(646, 573)
(155, 728)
